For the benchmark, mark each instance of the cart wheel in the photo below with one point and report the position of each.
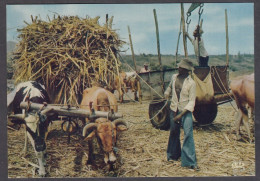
(205, 113)
(162, 120)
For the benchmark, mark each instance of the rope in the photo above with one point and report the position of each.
(221, 81)
(166, 102)
(131, 98)
(225, 89)
(212, 73)
(149, 120)
(224, 69)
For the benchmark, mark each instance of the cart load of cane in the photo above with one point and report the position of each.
(67, 54)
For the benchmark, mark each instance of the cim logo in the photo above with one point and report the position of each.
(238, 165)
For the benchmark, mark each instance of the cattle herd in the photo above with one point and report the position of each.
(97, 99)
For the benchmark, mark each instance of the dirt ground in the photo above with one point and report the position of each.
(141, 150)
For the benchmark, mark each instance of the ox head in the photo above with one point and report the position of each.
(35, 127)
(106, 133)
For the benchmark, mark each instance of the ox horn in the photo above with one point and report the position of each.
(17, 116)
(119, 122)
(89, 127)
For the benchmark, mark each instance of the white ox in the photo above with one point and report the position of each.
(36, 123)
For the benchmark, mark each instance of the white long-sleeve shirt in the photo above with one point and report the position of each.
(187, 94)
(203, 51)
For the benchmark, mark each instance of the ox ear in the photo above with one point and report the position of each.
(90, 136)
(120, 125)
(121, 128)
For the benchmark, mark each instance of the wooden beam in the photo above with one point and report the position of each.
(72, 111)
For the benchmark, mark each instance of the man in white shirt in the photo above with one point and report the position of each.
(183, 90)
(199, 48)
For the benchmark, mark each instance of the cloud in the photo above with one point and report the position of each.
(140, 18)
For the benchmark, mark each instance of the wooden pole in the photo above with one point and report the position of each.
(227, 41)
(177, 47)
(184, 31)
(158, 47)
(132, 49)
(158, 39)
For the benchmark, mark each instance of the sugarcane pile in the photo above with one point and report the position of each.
(67, 54)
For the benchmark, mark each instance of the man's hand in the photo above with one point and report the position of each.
(177, 118)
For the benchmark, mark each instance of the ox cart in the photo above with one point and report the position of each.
(212, 82)
(155, 82)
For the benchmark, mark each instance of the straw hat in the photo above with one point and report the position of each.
(186, 64)
(146, 64)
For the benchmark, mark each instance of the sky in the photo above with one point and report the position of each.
(140, 19)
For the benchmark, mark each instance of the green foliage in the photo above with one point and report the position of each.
(237, 63)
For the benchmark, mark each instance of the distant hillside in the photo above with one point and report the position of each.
(238, 64)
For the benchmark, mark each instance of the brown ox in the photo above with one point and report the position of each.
(133, 84)
(104, 129)
(127, 81)
(120, 85)
(243, 90)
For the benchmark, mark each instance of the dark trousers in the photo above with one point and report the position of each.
(203, 61)
(174, 151)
